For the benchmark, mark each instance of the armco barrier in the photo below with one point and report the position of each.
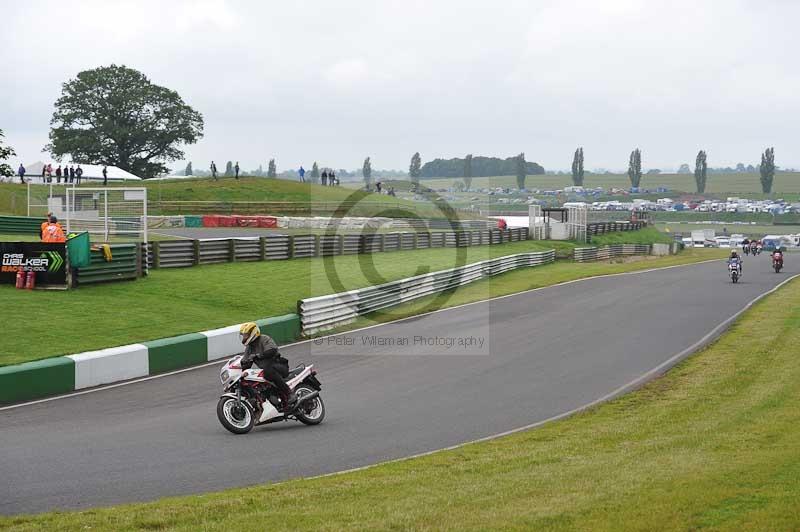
(607, 252)
(126, 263)
(185, 253)
(52, 376)
(326, 312)
(20, 225)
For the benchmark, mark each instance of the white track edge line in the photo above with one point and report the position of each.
(399, 320)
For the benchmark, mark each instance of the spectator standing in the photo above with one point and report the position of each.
(378, 186)
(49, 173)
(58, 174)
(105, 175)
(53, 232)
(331, 178)
(213, 170)
(324, 177)
(71, 173)
(21, 173)
(236, 169)
(44, 173)
(302, 173)
(78, 174)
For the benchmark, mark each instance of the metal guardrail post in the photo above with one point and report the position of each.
(317, 251)
(231, 250)
(383, 242)
(196, 252)
(290, 251)
(416, 240)
(262, 247)
(340, 244)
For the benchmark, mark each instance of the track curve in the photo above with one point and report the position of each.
(544, 353)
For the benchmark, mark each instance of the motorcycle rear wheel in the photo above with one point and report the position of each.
(237, 417)
(312, 412)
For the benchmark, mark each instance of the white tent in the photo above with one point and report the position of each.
(93, 172)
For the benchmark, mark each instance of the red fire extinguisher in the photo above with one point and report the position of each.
(20, 280)
(31, 282)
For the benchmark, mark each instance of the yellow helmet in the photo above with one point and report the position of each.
(249, 332)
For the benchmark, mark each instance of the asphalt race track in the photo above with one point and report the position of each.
(544, 353)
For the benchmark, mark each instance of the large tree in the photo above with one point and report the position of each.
(114, 115)
(315, 173)
(577, 168)
(272, 169)
(700, 171)
(414, 169)
(635, 168)
(468, 171)
(366, 171)
(229, 169)
(521, 171)
(6, 152)
(767, 170)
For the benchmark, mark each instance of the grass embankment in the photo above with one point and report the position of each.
(13, 197)
(711, 445)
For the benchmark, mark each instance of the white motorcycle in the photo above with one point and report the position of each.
(735, 272)
(249, 399)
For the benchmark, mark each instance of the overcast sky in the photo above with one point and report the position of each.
(335, 81)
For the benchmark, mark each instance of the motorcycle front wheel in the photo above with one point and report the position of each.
(236, 416)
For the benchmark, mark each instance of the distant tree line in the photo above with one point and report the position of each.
(479, 167)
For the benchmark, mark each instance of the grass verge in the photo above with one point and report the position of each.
(176, 301)
(648, 235)
(170, 302)
(711, 445)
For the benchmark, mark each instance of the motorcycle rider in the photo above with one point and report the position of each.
(746, 246)
(735, 260)
(777, 255)
(263, 351)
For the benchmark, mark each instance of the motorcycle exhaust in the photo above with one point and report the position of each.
(305, 398)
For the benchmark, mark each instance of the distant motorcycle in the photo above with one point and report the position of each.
(777, 261)
(735, 272)
(249, 399)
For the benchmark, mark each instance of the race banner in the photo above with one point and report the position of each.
(49, 261)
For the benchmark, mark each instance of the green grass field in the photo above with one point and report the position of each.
(13, 197)
(712, 445)
(170, 302)
(176, 301)
(648, 235)
(785, 183)
(746, 230)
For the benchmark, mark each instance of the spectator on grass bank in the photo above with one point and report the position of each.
(44, 173)
(213, 170)
(58, 174)
(71, 173)
(78, 174)
(331, 178)
(378, 186)
(105, 175)
(302, 173)
(49, 173)
(21, 173)
(236, 169)
(324, 178)
(391, 192)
